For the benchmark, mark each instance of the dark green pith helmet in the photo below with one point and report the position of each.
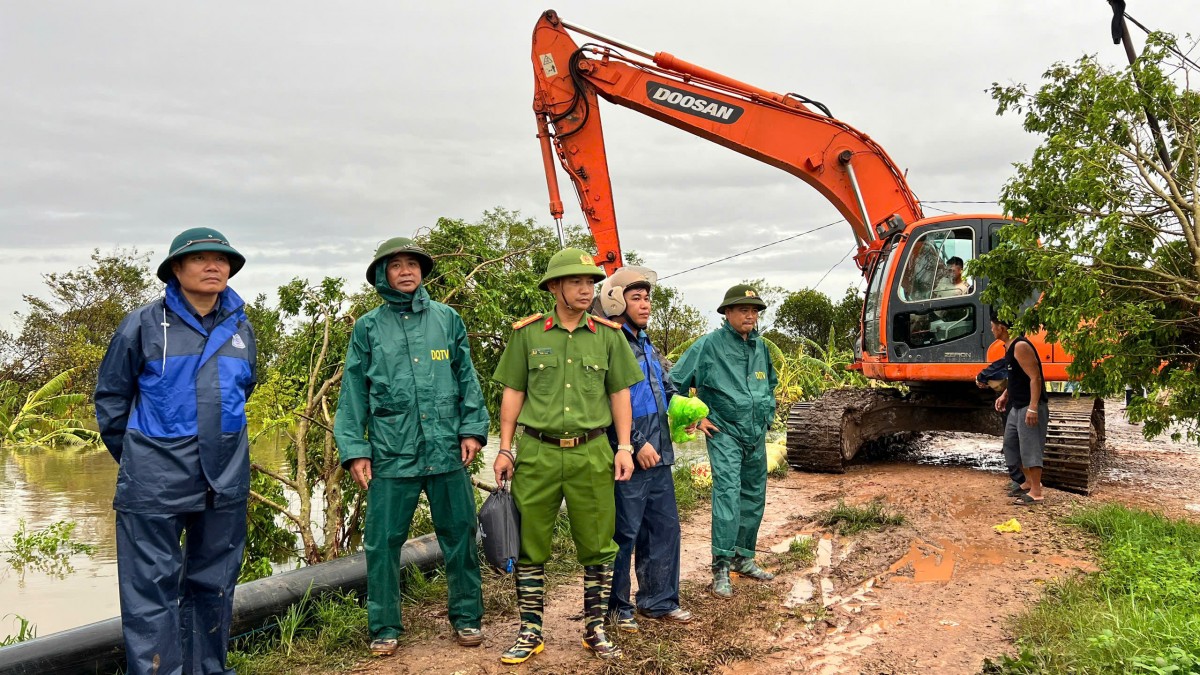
(396, 245)
(195, 240)
(571, 262)
(742, 294)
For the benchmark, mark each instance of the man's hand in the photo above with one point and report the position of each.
(647, 457)
(503, 467)
(469, 445)
(981, 384)
(360, 471)
(707, 427)
(622, 465)
(1031, 417)
(1002, 401)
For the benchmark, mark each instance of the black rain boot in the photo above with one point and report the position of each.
(531, 598)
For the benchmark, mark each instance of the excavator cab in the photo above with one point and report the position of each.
(933, 314)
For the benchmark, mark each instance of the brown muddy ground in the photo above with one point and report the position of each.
(932, 595)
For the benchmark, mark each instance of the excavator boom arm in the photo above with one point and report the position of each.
(852, 171)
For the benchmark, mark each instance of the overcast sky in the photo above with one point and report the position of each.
(308, 132)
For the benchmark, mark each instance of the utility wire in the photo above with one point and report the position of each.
(1174, 50)
(756, 248)
(852, 250)
(953, 201)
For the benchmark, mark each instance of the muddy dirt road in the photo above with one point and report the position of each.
(931, 595)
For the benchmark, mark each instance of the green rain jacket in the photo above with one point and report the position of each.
(734, 377)
(410, 385)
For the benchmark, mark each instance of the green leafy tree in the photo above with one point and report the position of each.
(809, 314)
(73, 326)
(45, 416)
(805, 315)
(1110, 235)
(672, 320)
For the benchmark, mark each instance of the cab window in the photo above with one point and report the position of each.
(934, 269)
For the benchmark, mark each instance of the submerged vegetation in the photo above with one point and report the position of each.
(47, 550)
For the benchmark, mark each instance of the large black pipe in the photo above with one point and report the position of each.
(98, 647)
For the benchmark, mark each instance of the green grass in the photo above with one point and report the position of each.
(690, 493)
(1139, 614)
(329, 631)
(848, 519)
(26, 630)
(800, 556)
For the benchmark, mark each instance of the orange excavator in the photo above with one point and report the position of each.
(923, 324)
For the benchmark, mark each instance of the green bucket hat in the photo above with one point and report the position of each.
(195, 240)
(396, 245)
(742, 294)
(571, 262)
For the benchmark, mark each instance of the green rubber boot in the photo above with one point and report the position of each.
(721, 586)
(597, 587)
(531, 597)
(747, 568)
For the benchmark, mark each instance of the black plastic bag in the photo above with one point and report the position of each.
(500, 530)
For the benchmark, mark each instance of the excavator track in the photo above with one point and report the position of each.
(825, 435)
(1074, 443)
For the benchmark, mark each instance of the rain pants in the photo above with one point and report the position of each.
(170, 404)
(647, 516)
(409, 384)
(736, 379)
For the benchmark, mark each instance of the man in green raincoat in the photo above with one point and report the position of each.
(409, 384)
(566, 378)
(731, 371)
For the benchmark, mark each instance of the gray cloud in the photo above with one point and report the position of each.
(308, 132)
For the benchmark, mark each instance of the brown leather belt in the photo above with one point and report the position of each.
(563, 442)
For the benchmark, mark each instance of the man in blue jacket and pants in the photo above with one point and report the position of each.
(647, 515)
(170, 403)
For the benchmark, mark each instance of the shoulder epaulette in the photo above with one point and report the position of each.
(607, 322)
(526, 321)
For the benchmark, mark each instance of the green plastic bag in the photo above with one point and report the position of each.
(683, 412)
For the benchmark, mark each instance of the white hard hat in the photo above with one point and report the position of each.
(612, 291)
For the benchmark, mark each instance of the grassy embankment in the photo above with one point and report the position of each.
(1139, 614)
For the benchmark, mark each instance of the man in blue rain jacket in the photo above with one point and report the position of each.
(647, 515)
(170, 403)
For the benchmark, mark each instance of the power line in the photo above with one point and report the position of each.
(756, 248)
(852, 250)
(955, 201)
(1170, 47)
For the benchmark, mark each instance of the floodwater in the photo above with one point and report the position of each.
(42, 486)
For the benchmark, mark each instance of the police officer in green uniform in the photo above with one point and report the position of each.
(731, 370)
(566, 378)
(409, 384)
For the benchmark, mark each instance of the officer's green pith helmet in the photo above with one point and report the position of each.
(571, 262)
(196, 240)
(742, 294)
(396, 245)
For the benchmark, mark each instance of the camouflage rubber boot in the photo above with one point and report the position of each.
(747, 568)
(721, 586)
(531, 596)
(597, 587)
